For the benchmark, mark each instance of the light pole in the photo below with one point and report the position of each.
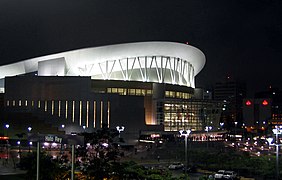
(30, 144)
(7, 127)
(19, 144)
(235, 129)
(185, 133)
(84, 127)
(221, 125)
(276, 131)
(29, 129)
(120, 129)
(208, 128)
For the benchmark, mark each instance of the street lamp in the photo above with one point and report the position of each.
(29, 129)
(208, 128)
(63, 126)
(7, 127)
(19, 144)
(30, 144)
(221, 125)
(276, 131)
(235, 129)
(84, 127)
(120, 129)
(185, 133)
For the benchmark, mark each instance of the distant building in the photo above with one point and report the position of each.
(231, 93)
(264, 110)
(257, 112)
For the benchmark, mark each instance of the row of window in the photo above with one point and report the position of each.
(147, 92)
(181, 95)
(132, 92)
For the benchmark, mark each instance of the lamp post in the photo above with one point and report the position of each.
(221, 125)
(185, 133)
(7, 127)
(30, 144)
(276, 131)
(120, 129)
(208, 128)
(19, 144)
(235, 129)
(84, 127)
(29, 129)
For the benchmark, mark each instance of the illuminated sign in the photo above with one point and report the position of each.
(265, 103)
(248, 103)
(53, 139)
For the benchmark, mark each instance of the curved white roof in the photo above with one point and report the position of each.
(164, 62)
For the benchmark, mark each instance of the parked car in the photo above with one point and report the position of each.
(229, 175)
(219, 174)
(176, 165)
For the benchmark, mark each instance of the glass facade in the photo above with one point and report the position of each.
(188, 114)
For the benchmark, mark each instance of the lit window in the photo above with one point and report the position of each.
(131, 91)
(138, 92)
(114, 90)
(167, 93)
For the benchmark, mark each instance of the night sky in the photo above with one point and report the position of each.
(241, 39)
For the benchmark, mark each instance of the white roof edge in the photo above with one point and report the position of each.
(154, 48)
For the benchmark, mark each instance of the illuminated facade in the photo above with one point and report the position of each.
(121, 84)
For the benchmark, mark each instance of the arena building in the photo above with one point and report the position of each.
(137, 85)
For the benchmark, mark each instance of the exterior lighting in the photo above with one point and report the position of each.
(265, 102)
(120, 129)
(63, 126)
(29, 129)
(248, 103)
(185, 133)
(276, 131)
(105, 145)
(18, 142)
(7, 126)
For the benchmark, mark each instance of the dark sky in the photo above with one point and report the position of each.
(242, 39)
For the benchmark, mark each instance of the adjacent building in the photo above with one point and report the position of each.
(231, 93)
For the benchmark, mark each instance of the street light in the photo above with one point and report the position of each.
(120, 129)
(30, 144)
(19, 144)
(7, 127)
(63, 126)
(208, 128)
(29, 129)
(185, 133)
(221, 125)
(235, 129)
(276, 131)
(84, 127)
